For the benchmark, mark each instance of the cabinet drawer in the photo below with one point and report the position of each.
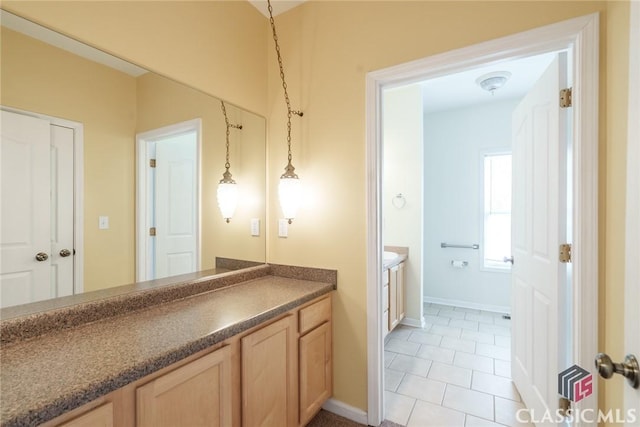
(315, 314)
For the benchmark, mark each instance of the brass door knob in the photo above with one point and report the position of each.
(41, 256)
(628, 369)
(65, 253)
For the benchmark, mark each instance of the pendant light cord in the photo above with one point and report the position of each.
(284, 83)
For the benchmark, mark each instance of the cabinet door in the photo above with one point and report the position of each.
(400, 292)
(102, 416)
(269, 375)
(393, 297)
(315, 371)
(196, 394)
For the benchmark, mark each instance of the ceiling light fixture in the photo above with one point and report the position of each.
(493, 81)
(227, 188)
(289, 189)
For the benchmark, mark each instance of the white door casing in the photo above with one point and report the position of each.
(579, 36)
(632, 266)
(538, 227)
(176, 205)
(25, 209)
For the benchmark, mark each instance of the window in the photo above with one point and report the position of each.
(497, 211)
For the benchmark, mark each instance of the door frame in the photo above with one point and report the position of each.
(581, 37)
(632, 249)
(142, 187)
(78, 189)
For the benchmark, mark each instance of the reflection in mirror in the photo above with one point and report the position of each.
(69, 217)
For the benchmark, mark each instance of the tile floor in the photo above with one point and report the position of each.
(453, 372)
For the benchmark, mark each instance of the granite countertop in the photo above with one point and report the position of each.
(45, 376)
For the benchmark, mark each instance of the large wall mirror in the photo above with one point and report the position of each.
(128, 171)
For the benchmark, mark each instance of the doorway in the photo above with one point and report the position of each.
(168, 201)
(579, 37)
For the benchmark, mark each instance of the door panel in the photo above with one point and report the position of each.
(537, 227)
(25, 209)
(176, 204)
(62, 223)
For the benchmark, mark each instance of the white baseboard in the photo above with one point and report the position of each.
(467, 304)
(416, 323)
(340, 408)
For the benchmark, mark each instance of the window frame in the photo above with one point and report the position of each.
(494, 267)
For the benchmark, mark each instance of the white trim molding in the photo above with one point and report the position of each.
(632, 231)
(467, 304)
(347, 411)
(580, 38)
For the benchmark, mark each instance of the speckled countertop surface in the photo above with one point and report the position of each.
(45, 376)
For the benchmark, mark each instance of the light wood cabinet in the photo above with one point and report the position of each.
(275, 374)
(196, 394)
(102, 416)
(396, 295)
(269, 375)
(315, 352)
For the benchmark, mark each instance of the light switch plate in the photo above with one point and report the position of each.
(255, 226)
(283, 228)
(103, 222)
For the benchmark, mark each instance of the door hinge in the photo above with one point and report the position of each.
(564, 407)
(152, 163)
(565, 252)
(152, 231)
(565, 98)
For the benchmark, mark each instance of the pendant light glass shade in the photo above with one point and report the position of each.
(227, 198)
(289, 193)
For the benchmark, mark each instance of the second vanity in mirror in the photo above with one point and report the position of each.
(108, 126)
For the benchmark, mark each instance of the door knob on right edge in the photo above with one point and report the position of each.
(628, 369)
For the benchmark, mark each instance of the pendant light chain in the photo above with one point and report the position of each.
(227, 165)
(284, 83)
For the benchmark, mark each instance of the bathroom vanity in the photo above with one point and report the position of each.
(241, 348)
(393, 287)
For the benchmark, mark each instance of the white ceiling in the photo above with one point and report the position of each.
(279, 6)
(460, 89)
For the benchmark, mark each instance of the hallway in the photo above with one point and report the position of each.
(454, 372)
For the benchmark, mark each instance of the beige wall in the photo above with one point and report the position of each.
(162, 102)
(328, 47)
(40, 78)
(215, 46)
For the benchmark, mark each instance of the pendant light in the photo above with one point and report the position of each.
(289, 189)
(227, 188)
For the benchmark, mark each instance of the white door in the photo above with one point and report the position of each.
(62, 219)
(25, 210)
(176, 205)
(538, 213)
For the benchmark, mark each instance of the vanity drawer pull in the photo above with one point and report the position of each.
(315, 314)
